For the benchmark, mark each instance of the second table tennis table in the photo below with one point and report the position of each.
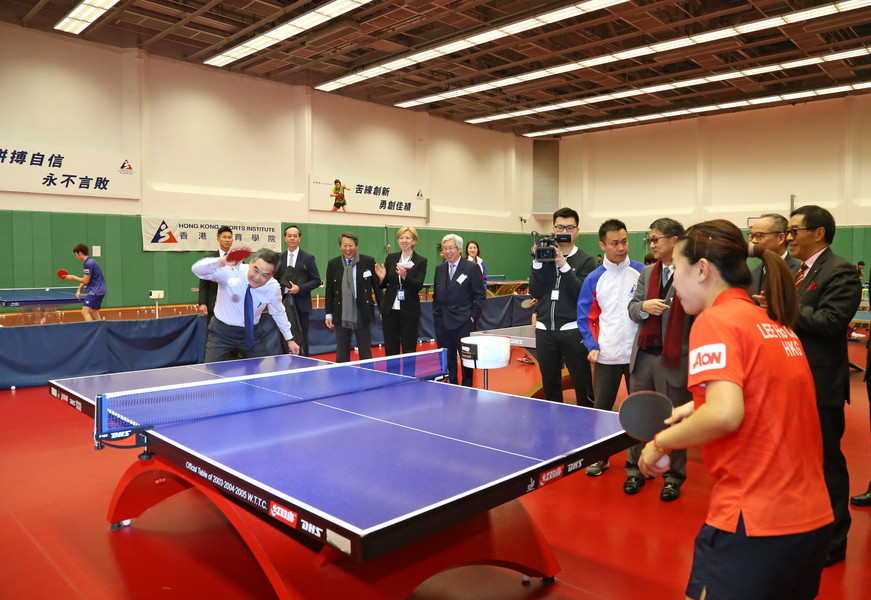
(34, 302)
(381, 488)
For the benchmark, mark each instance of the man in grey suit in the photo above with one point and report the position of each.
(828, 294)
(769, 231)
(659, 354)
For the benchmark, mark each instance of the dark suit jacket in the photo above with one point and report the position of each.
(304, 262)
(412, 285)
(454, 303)
(756, 273)
(208, 289)
(675, 377)
(828, 298)
(366, 286)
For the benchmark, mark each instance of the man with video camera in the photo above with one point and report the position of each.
(558, 271)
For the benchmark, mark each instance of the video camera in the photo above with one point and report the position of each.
(545, 246)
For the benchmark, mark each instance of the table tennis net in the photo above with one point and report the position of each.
(122, 414)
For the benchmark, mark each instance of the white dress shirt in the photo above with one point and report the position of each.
(230, 304)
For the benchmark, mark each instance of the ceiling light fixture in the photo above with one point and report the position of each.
(660, 87)
(807, 15)
(553, 16)
(85, 13)
(862, 85)
(284, 31)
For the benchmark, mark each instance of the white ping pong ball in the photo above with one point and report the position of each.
(46, 289)
(12, 388)
(664, 462)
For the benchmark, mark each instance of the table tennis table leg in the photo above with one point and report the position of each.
(505, 536)
(143, 485)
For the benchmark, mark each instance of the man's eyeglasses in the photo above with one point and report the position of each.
(793, 231)
(758, 235)
(565, 228)
(652, 239)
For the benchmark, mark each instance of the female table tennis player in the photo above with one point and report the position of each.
(754, 414)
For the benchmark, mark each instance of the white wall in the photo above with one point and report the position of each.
(728, 166)
(220, 145)
(217, 144)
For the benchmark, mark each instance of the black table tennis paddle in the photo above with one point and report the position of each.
(642, 414)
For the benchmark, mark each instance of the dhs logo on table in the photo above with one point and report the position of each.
(550, 476)
(284, 515)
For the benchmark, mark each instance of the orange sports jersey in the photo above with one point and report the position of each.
(771, 468)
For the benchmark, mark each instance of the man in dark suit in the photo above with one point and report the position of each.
(769, 231)
(457, 301)
(829, 294)
(209, 289)
(298, 274)
(864, 499)
(351, 281)
(659, 359)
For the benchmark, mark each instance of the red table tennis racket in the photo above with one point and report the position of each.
(237, 255)
(642, 414)
(62, 273)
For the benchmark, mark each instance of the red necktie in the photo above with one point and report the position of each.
(799, 277)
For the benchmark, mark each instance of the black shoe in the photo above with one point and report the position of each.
(861, 499)
(633, 484)
(670, 491)
(835, 556)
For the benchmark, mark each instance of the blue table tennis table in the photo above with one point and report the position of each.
(36, 300)
(379, 489)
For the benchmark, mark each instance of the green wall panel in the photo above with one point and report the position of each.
(42, 242)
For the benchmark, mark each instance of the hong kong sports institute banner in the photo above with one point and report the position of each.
(371, 196)
(51, 169)
(177, 234)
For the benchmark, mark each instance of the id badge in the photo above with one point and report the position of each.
(554, 295)
(400, 295)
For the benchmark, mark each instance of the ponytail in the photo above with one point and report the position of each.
(779, 287)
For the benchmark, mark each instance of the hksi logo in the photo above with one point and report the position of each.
(282, 514)
(163, 235)
(705, 358)
(550, 476)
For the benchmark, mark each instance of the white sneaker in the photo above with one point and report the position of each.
(597, 468)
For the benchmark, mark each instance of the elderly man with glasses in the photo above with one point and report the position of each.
(828, 295)
(769, 231)
(457, 302)
(659, 355)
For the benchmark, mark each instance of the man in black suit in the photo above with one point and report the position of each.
(864, 499)
(828, 293)
(351, 281)
(457, 301)
(769, 231)
(298, 274)
(209, 289)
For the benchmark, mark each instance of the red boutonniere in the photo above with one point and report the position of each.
(812, 286)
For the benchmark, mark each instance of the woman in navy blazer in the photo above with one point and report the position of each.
(402, 276)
